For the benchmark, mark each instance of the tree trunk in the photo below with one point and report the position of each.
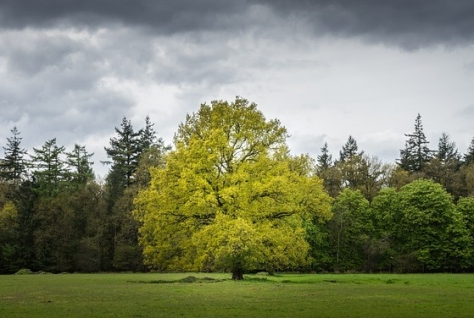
(237, 274)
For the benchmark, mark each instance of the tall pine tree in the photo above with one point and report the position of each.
(469, 156)
(349, 150)
(13, 166)
(124, 152)
(50, 168)
(447, 150)
(78, 161)
(324, 161)
(147, 135)
(444, 167)
(416, 153)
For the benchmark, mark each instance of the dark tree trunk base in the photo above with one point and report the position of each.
(237, 274)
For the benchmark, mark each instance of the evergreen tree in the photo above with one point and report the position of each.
(469, 156)
(13, 166)
(149, 139)
(123, 183)
(324, 161)
(416, 153)
(50, 168)
(79, 162)
(447, 150)
(349, 150)
(124, 152)
(444, 167)
(147, 135)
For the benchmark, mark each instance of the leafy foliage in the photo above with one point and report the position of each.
(350, 229)
(227, 197)
(231, 197)
(429, 231)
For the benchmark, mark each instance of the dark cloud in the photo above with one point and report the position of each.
(54, 84)
(73, 68)
(163, 16)
(410, 24)
(69, 116)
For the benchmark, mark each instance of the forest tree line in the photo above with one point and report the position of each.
(415, 215)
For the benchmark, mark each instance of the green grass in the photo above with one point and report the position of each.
(213, 295)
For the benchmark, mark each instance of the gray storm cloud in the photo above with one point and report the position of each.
(161, 16)
(409, 24)
(72, 69)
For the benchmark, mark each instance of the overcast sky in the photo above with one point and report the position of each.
(72, 70)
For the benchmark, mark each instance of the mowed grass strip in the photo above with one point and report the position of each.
(198, 295)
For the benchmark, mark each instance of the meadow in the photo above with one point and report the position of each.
(214, 295)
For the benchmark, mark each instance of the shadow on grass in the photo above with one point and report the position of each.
(188, 279)
(193, 279)
(269, 280)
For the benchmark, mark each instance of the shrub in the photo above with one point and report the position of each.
(24, 272)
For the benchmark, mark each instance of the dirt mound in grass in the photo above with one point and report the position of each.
(24, 272)
(190, 279)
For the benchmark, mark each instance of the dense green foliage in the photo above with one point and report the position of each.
(229, 196)
(54, 215)
(193, 295)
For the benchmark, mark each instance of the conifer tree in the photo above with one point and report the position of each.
(124, 152)
(444, 167)
(13, 166)
(147, 135)
(79, 162)
(50, 168)
(324, 161)
(469, 156)
(349, 150)
(447, 150)
(416, 153)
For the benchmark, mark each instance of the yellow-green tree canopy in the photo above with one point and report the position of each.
(229, 197)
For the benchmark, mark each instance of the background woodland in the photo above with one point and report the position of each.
(414, 215)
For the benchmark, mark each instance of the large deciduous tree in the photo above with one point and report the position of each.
(465, 206)
(429, 233)
(350, 229)
(229, 197)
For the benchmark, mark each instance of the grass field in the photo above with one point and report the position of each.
(213, 295)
